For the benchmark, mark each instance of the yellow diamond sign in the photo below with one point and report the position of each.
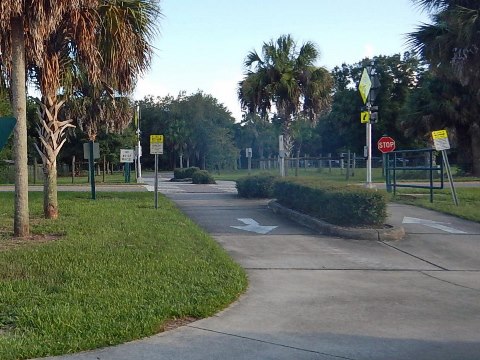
(365, 85)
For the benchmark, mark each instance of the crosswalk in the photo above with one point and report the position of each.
(167, 187)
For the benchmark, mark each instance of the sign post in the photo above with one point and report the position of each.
(386, 144)
(441, 143)
(91, 151)
(156, 148)
(281, 155)
(364, 88)
(139, 145)
(368, 88)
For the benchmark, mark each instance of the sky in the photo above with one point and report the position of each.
(202, 44)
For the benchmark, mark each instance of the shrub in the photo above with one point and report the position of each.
(202, 177)
(185, 173)
(336, 204)
(258, 186)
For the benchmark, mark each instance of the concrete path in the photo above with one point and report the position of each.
(318, 297)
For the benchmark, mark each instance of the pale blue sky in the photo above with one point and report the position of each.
(202, 44)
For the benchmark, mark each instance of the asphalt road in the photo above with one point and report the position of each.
(318, 297)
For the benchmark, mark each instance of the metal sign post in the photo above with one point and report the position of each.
(364, 88)
(281, 155)
(368, 87)
(441, 143)
(91, 151)
(139, 145)
(156, 148)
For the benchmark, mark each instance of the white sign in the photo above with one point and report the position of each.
(126, 155)
(248, 152)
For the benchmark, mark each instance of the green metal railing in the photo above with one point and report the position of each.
(392, 160)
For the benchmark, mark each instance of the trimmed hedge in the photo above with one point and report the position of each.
(185, 173)
(202, 177)
(257, 186)
(333, 203)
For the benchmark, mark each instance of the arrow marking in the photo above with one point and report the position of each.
(253, 226)
(432, 224)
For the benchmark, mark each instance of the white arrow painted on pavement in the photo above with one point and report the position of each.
(432, 224)
(253, 226)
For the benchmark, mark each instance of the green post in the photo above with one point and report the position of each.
(127, 172)
(91, 168)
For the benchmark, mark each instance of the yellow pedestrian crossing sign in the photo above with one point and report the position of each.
(365, 117)
(365, 85)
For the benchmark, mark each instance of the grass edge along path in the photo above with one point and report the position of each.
(110, 271)
(468, 208)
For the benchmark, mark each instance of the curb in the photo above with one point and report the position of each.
(391, 233)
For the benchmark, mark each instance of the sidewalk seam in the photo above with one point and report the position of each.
(270, 343)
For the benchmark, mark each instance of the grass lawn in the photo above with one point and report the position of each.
(468, 208)
(106, 272)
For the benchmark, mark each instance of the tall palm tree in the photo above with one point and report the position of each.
(285, 76)
(105, 46)
(23, 26)
(451, 44)
(124, 45)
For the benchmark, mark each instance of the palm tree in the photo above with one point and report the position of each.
(107, 39)
(124, 45)
(285, 76)
(23, 26)
(451, 44)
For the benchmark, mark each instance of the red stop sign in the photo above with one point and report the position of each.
(386, 144)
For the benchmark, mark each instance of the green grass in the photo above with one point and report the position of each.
(116, 178)
(119, 270)
(468, 208)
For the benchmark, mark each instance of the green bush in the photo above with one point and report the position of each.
(336, 204)
(202, 177)
(258, 186)
(185, 173)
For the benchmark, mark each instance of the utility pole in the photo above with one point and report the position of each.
(139, 146)
(368, 88)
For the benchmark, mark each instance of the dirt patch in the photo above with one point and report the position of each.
(176, 323)
(8, 242)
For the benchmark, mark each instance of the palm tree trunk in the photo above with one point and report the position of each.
(21, 226)
(51, 132)
(475, 139)
(50, 200)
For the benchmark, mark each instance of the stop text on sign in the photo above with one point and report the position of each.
(386, 144)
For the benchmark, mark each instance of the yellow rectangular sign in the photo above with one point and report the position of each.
(156, 139)
(440, 134)
(365, 117)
